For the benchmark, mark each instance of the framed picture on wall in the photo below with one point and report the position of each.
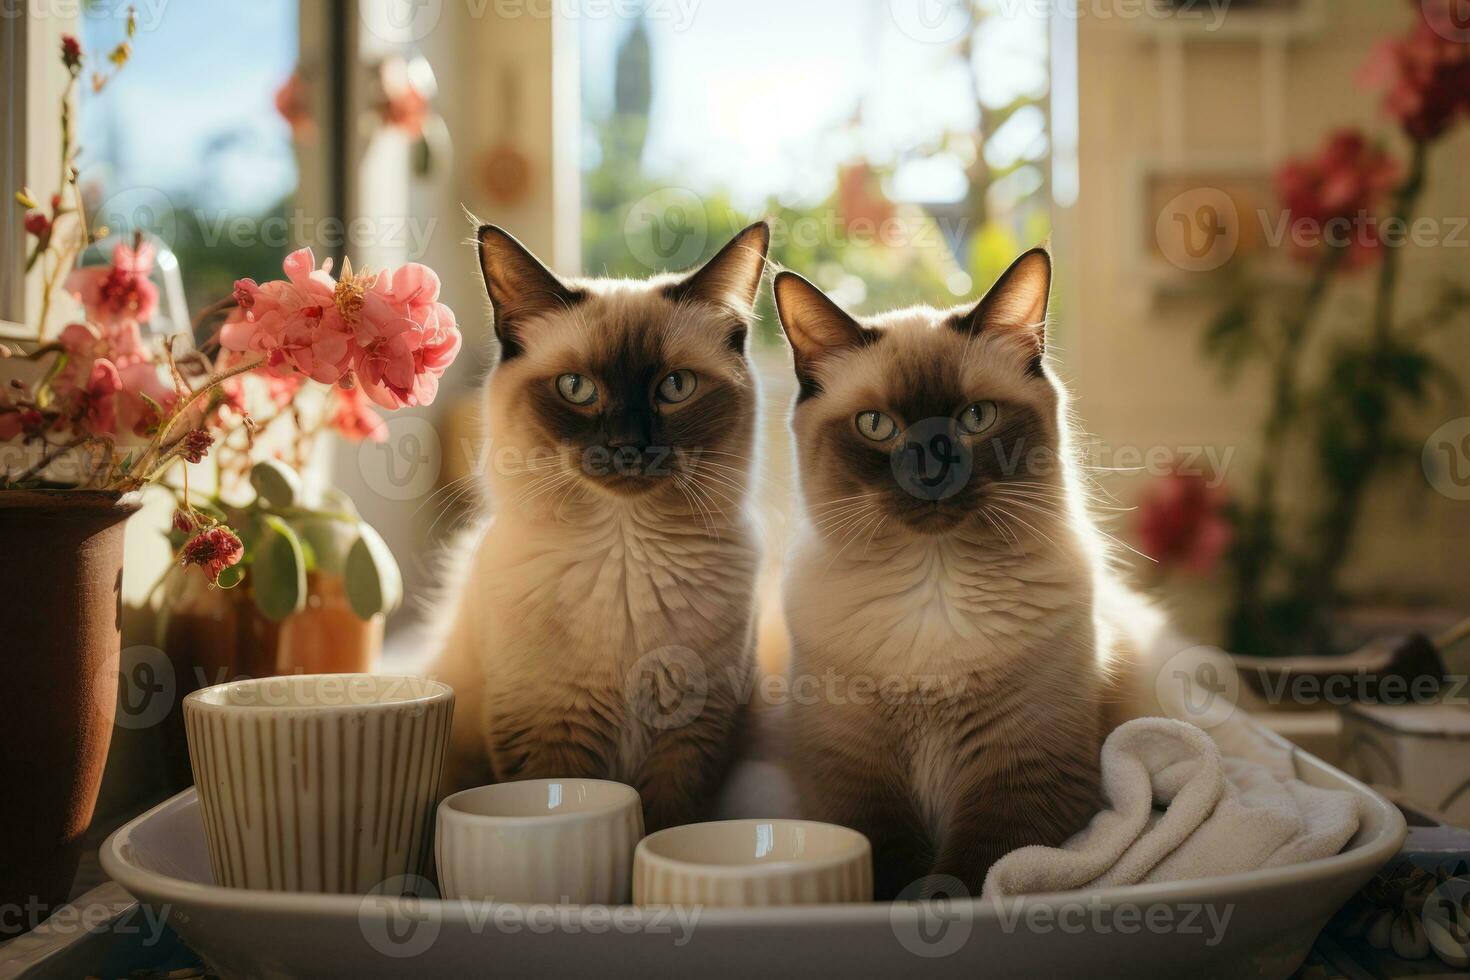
(1196, 218)
(1233, 19)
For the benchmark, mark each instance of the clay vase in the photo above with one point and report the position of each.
(61, 558)
(327, 637)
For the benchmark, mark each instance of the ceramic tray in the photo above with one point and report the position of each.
(1258, 924)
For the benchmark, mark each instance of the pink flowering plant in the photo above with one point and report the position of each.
(105, 405)
(1349, 207)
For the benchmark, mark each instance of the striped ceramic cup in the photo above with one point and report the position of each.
(319, 782)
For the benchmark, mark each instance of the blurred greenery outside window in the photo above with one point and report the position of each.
(895, 169)
(186, 143)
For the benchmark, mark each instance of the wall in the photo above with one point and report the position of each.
(404, 487)
(1135, 355)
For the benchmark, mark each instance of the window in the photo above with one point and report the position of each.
(186, 143)
(896, 169)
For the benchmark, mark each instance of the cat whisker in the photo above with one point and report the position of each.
(1000, 530)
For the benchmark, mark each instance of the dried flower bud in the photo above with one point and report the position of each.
(38, 224)
(196, 446)
(71, 51)
(183, 521)
(213, 550)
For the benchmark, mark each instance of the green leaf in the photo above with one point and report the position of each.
(231, 577)
(329, 540)
(371, 576)
(209, 509)
(334, 499)
(275, 483)
(278, 574)
(1231, 337)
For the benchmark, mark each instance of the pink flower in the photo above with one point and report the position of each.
(407, 110)
(15, 421)
(213, 550)
(293, 102)
(388, 335)
(97, 411)
(1338, 192)
(282, 390)
(355, 418)
(1425, 75)
(121, 343)
(1181, 521)
(119, 292)
(37, 224)
(406, 341)
(860, 200)
(405, 104)
(294, 323)
(145, 393)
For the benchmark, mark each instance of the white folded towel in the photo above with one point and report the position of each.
(1177, 809)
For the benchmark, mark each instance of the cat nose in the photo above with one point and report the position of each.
(628, 435)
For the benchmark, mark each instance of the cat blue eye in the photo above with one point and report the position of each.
(676, 387)
(876, 426)
(979, 417)
(577, 389)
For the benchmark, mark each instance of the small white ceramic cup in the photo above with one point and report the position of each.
(539, 841)
(740, 863)
(319, 782)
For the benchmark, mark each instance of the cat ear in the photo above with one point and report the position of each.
(733, 277)
(814, 325)
(1017, 302)
(520, 287)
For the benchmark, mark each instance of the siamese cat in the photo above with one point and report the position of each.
(943, 582)
(603, 621)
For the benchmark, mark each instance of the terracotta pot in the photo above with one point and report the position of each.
(61, 557)
(327, 637)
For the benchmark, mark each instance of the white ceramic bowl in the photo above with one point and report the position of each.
(539, 841)
(319, 782)
(736, 863)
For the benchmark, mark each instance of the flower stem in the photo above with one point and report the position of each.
(156, 447)
(1257, 548)
(1336, 527)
